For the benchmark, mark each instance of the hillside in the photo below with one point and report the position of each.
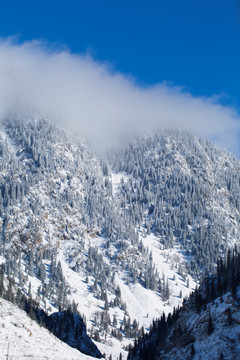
(120, 238)
(192, 338)
(185, 191)
(23, 338)
(207, 326)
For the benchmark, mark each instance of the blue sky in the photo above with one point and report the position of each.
(195, 44)
(151, 64)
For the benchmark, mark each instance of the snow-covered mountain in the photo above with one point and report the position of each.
(184, 189)
(119, 238)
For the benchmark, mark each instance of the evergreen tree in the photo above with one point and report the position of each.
(210, 327)
(1, 280)
(192, 350)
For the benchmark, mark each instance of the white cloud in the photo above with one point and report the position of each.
(100, 103)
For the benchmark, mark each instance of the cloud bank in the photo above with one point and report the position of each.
(102, 104)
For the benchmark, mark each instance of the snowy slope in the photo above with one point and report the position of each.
(224, 339)
(117, 178)
(207, 326)
(142, 304)
(21, 338)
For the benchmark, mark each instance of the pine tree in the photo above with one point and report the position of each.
(1, 280)
(210, 327)
(192, 350)
(29, 289)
